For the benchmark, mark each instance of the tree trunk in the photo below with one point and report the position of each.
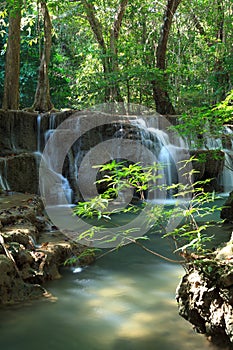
(12, 65)
(160, 93)
(221, 76)
(42, 101)
(110, 62)
(113, 60)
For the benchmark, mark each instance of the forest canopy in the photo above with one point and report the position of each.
(173, 55)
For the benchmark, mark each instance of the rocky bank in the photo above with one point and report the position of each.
(205, 296)
(31, 251)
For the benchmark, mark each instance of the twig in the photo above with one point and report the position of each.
(8, 253)
(155, 253)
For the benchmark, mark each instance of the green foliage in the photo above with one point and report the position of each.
(191, 234)
(200, 123)
(199, 58)
(87, 253)
(192, 204)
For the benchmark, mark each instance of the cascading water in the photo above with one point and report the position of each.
(3, 177)
(148, 131)
(58, 197)
(52, 126)
(142, 131)
(39, 117)
(169, 152)
(224, 143)
(226, 178)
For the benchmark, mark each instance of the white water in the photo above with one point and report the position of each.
(58, 197)
(39, 133)
(3, 177)
(170, 149)
(226, 178)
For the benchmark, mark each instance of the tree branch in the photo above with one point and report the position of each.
(165, 30)
(94, 23)
(118, 18)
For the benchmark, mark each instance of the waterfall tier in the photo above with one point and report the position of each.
(24, 135)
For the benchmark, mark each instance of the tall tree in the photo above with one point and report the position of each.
(12, 62)
(109, 52)
(160, 93)
(217, 44)
(42, 101)
(222, 77)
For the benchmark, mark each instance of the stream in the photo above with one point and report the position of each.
(126, 300)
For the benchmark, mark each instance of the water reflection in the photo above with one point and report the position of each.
(125, 301)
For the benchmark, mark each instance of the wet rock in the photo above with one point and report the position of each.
(12, 287)
(6, 268)
(209, 165)
(225, 253)
(22, 173)
(24, 234)
(227, 279)
(29, 258)
(227, 210)
(205, 297)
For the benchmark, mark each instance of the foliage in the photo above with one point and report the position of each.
(201, 123)
(199, 56)
(192, 204)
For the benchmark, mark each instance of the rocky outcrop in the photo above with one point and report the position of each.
(30, 254)
(19, 130)
(20, 172)
(21, 134)
(205, 296)
(227, 210)
(208, 164)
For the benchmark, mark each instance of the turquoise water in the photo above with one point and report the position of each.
(125, 301)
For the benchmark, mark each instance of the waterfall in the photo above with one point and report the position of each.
(169, 150)
(150, 131)
(39, 117)
(52, 124)
(58, 197)
(3, 177)
(226, 178)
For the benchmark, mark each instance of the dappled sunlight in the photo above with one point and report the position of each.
(134, 330)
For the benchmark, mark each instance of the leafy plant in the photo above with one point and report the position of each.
(201, 123)
(191, 204)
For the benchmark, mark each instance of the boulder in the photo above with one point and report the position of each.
(205, 296)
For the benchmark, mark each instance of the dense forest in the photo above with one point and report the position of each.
(173, 55)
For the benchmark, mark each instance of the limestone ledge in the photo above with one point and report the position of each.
(30, 253)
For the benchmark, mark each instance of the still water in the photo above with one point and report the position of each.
(125, 301)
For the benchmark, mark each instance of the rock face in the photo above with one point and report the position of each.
(21, 172)
(21, 134)
(227, 210)
(19, 130)
(28, 258)
(209, 165)
(205, 297)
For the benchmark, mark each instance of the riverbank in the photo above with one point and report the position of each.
(31, 250)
